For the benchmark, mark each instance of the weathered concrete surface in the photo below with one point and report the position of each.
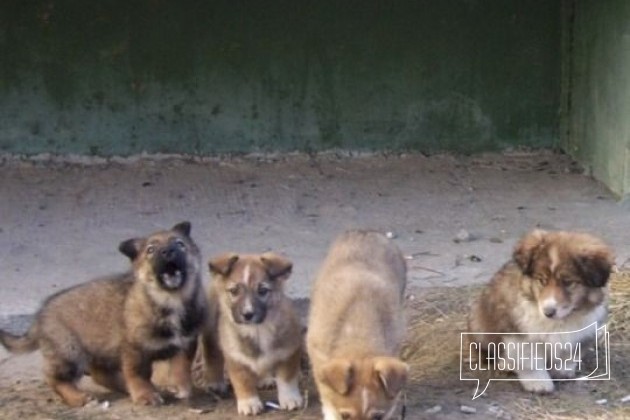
(61, 224)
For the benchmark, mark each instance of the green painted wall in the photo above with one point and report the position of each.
(201, 76)
(595, 124)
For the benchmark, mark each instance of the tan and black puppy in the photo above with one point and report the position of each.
(114, 328)
(555, 283)
(256, 329)
(356, 328)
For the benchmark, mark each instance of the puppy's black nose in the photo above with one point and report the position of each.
(168, 253)
(549, 312)
(248, 316)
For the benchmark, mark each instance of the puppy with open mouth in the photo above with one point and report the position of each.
(254, 330)
(115, 327)
(553, 288)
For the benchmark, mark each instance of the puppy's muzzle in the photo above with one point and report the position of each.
(552, 310)
(250, 312)
(170, 267)
(549, 312)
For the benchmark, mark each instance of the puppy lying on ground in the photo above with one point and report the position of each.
(356, 327)
(556, 282)
(114, 328)
(254, 329)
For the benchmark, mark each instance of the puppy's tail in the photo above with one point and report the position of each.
(20, 344)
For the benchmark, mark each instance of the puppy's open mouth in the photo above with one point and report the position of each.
(172, 276)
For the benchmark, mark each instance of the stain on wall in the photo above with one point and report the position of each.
(118, 77)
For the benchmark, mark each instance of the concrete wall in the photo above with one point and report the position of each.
(595, 124)
(203, 76)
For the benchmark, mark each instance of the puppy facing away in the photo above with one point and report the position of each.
(255, 331)
(556, 282)
(356, 327)
(113, 328)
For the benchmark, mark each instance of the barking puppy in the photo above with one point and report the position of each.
(356, 327)
(255, 331)
(114, 328)
(556, 282)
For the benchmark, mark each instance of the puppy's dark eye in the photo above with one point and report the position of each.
(345, 416)
(377, 416)
(263, 291)
(180, 244)
(234, 291)
(150, 249)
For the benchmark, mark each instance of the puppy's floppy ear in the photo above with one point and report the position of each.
(223, 264)
(277, 266)
(182, 228)
(338, 374)
(131, 247)
(526, 248)
(593, 269)
(392, 374)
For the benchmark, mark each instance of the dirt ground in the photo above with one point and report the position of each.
(455, 218)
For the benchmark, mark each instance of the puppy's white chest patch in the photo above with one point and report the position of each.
(268, 355)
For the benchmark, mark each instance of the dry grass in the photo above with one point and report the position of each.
(438, 316)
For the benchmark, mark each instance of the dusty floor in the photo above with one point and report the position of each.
(61, 223)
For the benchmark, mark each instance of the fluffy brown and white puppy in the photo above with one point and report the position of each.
(256, 330)
(356, 327)
(555, 283)
(115, 327)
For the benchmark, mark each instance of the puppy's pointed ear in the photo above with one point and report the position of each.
(392, 374)
(278, 267)
(223, 264)
(338, 374)
(182, 228)
(526, 248)
(594, 269)
(131, 247)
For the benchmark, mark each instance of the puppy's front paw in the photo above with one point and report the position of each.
(290, 402)
(148, 398)
(78, 399)
(250, 406)
(539, 386)
(183, 392)
(537, 381)
(289, 396)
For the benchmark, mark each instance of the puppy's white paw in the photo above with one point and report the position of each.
(539, 386)
(183, 392)
(537, 381)
(328, 412)
(250, 406)
(289, 395)
(290, 400)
